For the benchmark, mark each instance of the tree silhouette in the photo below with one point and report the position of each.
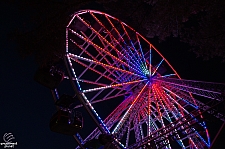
(199, 23)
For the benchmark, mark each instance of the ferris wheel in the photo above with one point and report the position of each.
(108, 60)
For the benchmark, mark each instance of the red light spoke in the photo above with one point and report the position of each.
(75, 58)
(156, 97)
(108, 53)
(123, 41)
(137, 59)
(104, 39)
(122, 120)
(96, 71)
(163, 101)
(112, 86)
(95, 60)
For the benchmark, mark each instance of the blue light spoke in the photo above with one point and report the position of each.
(142, 65)
(106, 52)
(128, 47)
(157, 67)
(76, 57)
(142, 54)
(168, 75)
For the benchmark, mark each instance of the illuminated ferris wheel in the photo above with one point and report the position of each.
(106, 60)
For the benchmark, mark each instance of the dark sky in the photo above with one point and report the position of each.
(26, 106)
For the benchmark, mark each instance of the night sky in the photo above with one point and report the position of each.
(26, 107)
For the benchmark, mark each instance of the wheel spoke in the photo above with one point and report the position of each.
(76, 58)
(107, 52)
(111, 86)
